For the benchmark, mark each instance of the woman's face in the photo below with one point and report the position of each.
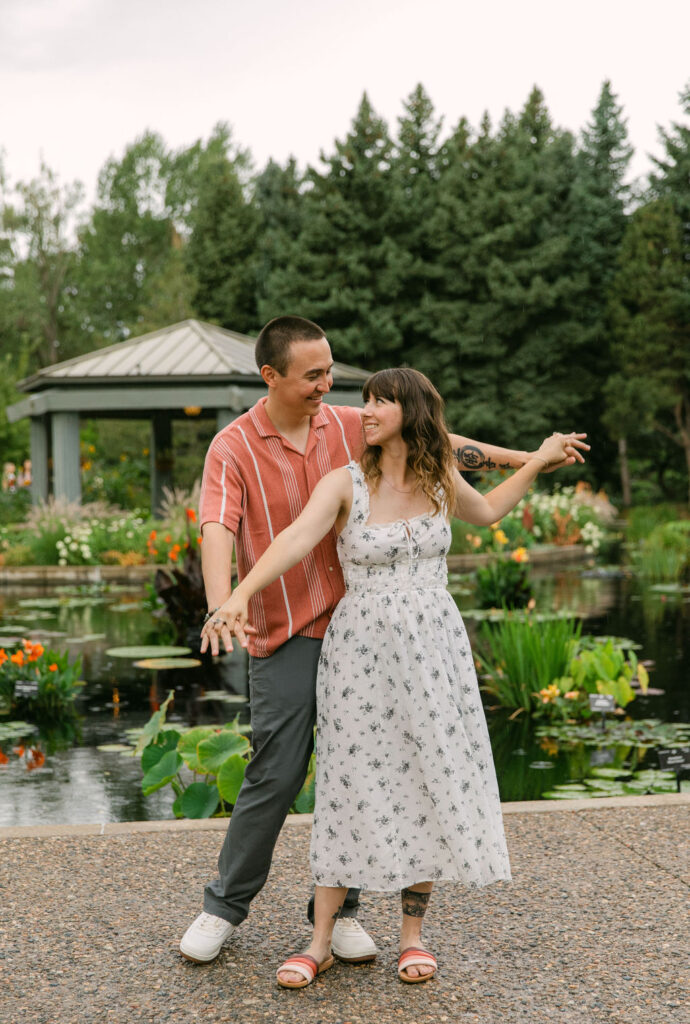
(382, 419)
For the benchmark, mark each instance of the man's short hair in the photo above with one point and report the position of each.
(273, 344)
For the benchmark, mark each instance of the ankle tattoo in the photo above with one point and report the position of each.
(414, 903)
(337, 913)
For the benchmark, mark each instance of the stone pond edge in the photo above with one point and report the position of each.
(545, 555)
(305, 820)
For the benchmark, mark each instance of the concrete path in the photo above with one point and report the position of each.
(593, 928)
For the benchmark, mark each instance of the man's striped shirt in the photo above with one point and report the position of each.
(256, 483)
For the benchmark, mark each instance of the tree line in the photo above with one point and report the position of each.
(510, 262)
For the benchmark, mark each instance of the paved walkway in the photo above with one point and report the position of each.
(592, 929)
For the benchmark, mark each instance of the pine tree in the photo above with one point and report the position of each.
(507, 344)
(597, 223)
(221, 247)
(416, 169)
(673, 179)
(279, 204)
(650, 311)
(342, 270)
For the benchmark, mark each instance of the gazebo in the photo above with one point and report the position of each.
(188, 369)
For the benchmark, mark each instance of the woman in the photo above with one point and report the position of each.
(406, 791)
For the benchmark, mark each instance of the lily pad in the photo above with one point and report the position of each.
(562, 794)
(541, 765)
(87, 638)
(114, 748)
(199, 800)
(607, 773)
(223, 695)
(126, 606)
(147, 651)
(165, 663)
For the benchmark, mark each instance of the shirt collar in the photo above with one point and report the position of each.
(266, 427)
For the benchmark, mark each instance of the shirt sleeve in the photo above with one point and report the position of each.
(223, 492)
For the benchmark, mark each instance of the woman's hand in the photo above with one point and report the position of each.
(231, 617)
(575, 445)
(560, 449)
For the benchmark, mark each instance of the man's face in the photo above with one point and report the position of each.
(308, 377)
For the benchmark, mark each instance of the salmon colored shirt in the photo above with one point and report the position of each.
(256, 483)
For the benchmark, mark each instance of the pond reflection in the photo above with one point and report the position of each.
(84, 784)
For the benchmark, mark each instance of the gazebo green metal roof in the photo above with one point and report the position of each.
(187, 369)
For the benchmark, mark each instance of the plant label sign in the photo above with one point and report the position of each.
(602, 702)
(674, 758)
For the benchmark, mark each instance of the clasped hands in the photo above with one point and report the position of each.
(229, 618)
(563, 450)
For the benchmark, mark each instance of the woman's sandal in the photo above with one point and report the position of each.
(305, 965)
(413, 956)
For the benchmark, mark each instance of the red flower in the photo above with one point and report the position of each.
(4, 759)
(191, 515)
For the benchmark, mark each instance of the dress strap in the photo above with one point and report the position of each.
(360, 495)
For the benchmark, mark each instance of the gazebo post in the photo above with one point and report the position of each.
(66, 456)
(223, 417)
(161, 458)
(38, 435)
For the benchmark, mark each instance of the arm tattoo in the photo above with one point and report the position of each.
(414, 903)
(470, 456)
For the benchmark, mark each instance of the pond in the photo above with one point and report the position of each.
(87, 783)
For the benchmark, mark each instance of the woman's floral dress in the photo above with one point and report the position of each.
(405, 784)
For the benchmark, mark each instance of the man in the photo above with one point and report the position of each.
(258, 475)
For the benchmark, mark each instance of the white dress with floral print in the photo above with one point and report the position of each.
(406, 789)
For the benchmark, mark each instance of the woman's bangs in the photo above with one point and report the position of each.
(381, 385)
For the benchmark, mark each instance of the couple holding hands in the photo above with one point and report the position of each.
(341, 522)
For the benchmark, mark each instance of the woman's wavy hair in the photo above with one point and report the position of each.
(424, 429)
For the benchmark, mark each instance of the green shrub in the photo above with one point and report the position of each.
(504, 582)
(522, 655)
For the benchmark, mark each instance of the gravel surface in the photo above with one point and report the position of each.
(592, 929)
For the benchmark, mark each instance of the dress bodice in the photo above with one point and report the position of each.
(391, 556)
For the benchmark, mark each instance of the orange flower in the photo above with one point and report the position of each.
(172, 555)
(34, 651)
(167, 539)
(53, 667)
(191, 515)
(3, 656)
(4, 759)
(19, 751)
(18, 658)
(35, 759)
(152, 535)
(520, 555)
(199, 539)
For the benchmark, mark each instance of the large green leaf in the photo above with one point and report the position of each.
(163, 772)
(214, 751)
(154, 725)
(304, 804)
(152, 754)
(230, 778)
(199, 800)
(188, 743)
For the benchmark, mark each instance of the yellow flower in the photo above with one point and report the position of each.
(549, 693)
(520, 555)
(500, 537)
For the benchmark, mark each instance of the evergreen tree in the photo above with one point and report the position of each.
(673, 177)
(342, 270)
(415, 173)
(221, 247)
(279, 204)
(650, 310)
(507, 343)
(597, 224)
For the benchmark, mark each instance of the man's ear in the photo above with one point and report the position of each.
(269, 374)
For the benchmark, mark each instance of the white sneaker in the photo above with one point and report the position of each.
(203, 939)
(351, 943)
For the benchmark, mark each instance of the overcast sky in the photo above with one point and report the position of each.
(79, 79)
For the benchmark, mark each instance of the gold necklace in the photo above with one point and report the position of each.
(394, 488)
